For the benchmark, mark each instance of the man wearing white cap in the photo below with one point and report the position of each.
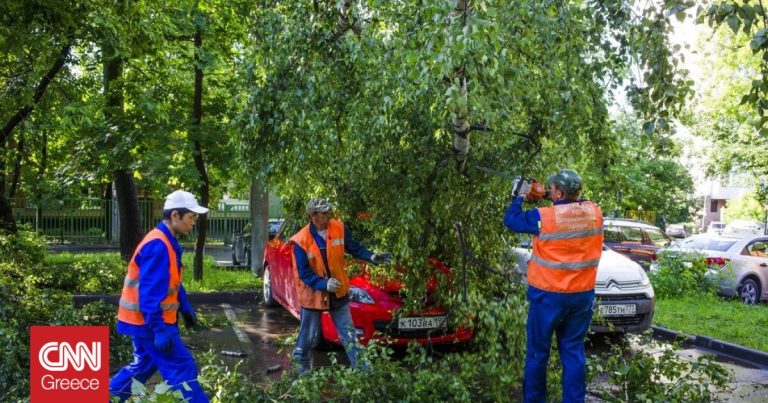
(152, 298)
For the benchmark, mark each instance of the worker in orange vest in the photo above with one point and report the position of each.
(321, 279)
(152, 298)
(567, 244)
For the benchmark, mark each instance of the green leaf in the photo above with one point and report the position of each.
(138, 388)
(734, 23)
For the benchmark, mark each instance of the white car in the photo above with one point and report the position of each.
(625, 297)
(745, 256)
(716, 227)
(744, 227)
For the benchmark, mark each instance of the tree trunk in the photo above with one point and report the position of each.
(131, 230)
(6, 214)
(106, 202)
(17, 166)
(342, 25)
(461, 126)
(40, 176)
(259, 223)
(197, 118)
(7, 222)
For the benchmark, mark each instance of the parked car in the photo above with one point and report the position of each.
(634, 239)
(676, 231)
(241, 241)
(739, 262)
(716, 227)
(744, 227)
(625, 297)
(375, 306)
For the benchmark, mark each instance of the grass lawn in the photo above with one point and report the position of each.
(727, 320)
(218, 278)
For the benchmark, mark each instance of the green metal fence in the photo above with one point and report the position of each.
(95, 221)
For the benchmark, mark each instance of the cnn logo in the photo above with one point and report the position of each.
(76, 357)
(66, 363)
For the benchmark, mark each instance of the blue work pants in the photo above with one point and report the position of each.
(568, 317)
(177, 367)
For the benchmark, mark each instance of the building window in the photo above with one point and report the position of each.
(713, 206)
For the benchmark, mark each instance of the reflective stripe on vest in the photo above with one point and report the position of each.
(334, 242)
(128, 309)
(567, 250)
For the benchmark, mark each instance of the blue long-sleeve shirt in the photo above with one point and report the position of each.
(153, 261)
(308, 276)
(529, 222)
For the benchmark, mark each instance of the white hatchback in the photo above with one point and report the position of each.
(625, 297)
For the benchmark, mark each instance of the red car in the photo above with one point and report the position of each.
(372, 305)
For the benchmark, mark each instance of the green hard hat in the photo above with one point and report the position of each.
(566, 180)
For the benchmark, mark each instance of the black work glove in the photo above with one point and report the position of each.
(381, 258)
(190, 319)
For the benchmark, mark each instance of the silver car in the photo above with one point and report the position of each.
(625, 297)
(741, 262)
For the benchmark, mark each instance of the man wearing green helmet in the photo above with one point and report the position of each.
(322, 283)
(567, 244)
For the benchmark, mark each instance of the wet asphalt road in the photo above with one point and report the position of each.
(260, 333)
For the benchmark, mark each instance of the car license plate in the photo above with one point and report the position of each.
(421, 322)
(616, 310)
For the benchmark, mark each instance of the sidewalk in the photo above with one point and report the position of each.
(719, 347)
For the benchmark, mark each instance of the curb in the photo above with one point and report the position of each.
(757, 357)
(232, 297)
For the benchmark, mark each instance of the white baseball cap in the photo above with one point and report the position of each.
(182, 199)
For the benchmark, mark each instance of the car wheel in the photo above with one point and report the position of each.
(749, 291)
(238, 247)
(267, 288)
(234, 252)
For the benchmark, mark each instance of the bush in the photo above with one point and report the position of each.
(26, 248)
(101, 273)
(32, 293)
(677, 275)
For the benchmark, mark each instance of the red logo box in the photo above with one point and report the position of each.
(69, 364)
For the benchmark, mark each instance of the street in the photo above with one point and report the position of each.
(257, 335)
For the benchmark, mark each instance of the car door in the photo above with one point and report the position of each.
(753, 261)
(627, 240)
(280, 263)
(286, 277)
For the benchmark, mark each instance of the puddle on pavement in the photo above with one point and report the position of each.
(265, 356)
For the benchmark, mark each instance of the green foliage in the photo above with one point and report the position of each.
(646, 375)
(26, 248)
(730, 108)
(31, 294)
(683, 274)
(706, 314)
(746, 207)
(101, 273)
(639, 172)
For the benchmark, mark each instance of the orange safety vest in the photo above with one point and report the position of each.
(128, 310)
(334, 244)
(567, 250)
